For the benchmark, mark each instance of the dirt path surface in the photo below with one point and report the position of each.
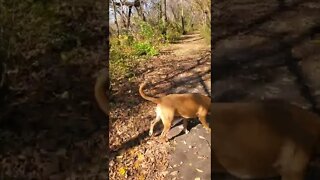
(182, 67)
(267, 50)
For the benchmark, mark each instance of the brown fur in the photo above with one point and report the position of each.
(100, 89)
(184, 105)
(264, 139)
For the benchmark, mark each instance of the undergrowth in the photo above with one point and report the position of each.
(205, 32)
(139, 45)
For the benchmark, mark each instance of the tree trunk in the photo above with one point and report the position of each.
(164, 16)
(140, 10)
(129, 17)
(123, 15)
(175, 15)
(115, 18)
(182, 19)
(160, 12)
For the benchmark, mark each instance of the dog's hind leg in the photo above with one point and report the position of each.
(293, 176)
(293, 161)
(296, 176)
(166, 120)
(154, 122)
(166, 128)
(202, 113)
(203, 121)
(157, 119)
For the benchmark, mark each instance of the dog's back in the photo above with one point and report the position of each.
(191, 98)
(186, 105)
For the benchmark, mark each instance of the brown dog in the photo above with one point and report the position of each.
(184, 105)
(100, 89)
(262, 140)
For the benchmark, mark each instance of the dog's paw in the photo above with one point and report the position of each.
(186, 131)
(163, 139)
(150, 133)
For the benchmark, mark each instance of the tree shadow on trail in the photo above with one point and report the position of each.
(261, 60)
(242, 27)
(187, 40)
(193, 79)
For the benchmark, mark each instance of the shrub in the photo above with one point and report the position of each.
(128, 50)
(205, 32)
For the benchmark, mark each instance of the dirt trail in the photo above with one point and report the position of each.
(189, 45)
(183, 66)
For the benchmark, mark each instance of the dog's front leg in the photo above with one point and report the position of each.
(185, 126)
(153, 123)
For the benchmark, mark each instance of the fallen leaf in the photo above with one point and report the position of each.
(140, 157)
(164, 173)
(122, 171)
(136, 165)
(174, 173)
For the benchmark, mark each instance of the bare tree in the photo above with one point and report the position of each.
(164, 16)
(126, 18)
(115, 17)
(182, 19)
(140, 10)
(122, 13)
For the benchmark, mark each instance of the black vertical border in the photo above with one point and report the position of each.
(108, 93)
(211, 75)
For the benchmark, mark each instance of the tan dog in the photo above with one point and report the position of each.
(265, 139)
(100, 89)
(184, 105)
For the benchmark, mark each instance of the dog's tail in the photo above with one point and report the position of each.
(100, 89)
(144, 96)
